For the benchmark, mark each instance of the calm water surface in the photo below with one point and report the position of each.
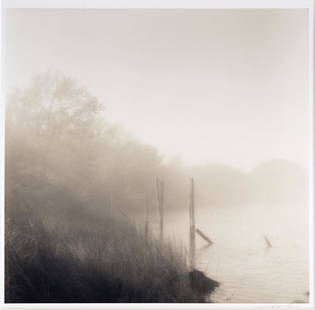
(248, 271)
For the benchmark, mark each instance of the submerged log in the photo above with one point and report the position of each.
(201, 283)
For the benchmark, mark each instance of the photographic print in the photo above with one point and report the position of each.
(158, 155)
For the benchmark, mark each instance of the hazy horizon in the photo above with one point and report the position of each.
(204, 86)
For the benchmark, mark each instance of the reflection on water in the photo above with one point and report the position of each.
(249, 271)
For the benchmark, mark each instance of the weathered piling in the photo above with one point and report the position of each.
(268, 243)
(192, 246)
(162, 210)
(146, 218)
(160, 200)
(110, 206)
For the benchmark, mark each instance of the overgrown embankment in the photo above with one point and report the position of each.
(64, 163)
(70, 260)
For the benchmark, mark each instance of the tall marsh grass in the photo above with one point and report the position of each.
(78, 259)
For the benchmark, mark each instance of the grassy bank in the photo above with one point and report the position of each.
(64, 161)
(79, 259)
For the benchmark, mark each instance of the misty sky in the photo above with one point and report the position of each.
(212, 85)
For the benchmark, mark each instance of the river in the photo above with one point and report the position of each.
(249, 271)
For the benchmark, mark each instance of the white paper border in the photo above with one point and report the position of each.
(189, 4)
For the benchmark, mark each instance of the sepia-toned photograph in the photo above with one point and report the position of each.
(158, 155)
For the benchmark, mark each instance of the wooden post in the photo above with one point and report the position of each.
(146, 223)
(192, 224)
(162, 210)
(160, 200)
(110, 206)
(268, 243)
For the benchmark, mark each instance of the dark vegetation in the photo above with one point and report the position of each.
(64, 161)
(84, 259)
